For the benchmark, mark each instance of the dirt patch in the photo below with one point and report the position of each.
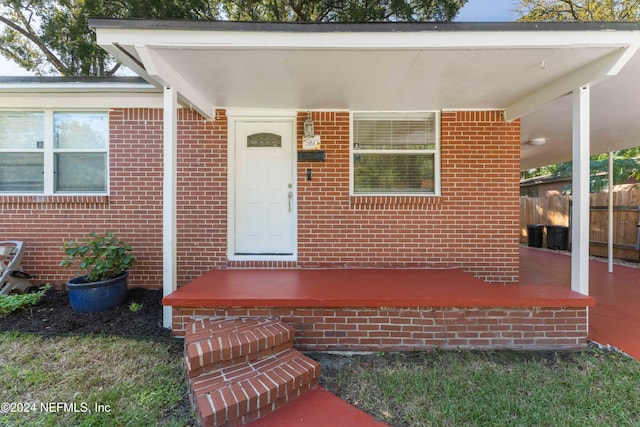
(54, 315)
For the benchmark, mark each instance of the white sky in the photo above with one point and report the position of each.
(488, 11)
(10, 68)
(473, 11)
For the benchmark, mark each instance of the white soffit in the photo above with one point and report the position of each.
(524, 72)
(381, 79)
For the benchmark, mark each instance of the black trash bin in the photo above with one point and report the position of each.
(534, 233)
(557, 237)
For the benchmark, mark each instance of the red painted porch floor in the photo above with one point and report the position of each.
(615, 319)
(363, 288)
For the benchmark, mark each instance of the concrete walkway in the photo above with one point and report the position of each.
(615, 319)
(318, 408)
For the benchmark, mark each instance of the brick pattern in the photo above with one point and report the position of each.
(241, 393)
(474, 225)
(211, 344)
(202, 194)
(53, 202)
(133, 209)
(240, 382)
(416, 328)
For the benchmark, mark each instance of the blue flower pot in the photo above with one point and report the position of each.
(92, 297)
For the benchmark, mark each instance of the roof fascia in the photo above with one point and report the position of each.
(359, 27)
(72, 93)
(546, 179)
(83, 87)
(179, 38)
(74, 101)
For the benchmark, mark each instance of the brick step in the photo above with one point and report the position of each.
(237, 394)
(216, 343)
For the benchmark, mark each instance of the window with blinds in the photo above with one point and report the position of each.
(395, 154)
(51, 152)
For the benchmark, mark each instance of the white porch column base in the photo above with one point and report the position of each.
(580, 214)
(169, 253)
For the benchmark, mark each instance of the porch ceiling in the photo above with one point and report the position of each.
(525, 69)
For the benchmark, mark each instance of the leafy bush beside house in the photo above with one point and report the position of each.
(99, 257)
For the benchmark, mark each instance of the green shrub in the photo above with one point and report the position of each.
(100, 257)
(15, 302)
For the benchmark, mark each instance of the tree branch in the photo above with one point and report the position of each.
(572, 10)
(627, 14)
(32, 37)
(297, 8)
(115, 68)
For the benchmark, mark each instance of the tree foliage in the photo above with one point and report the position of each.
(53, 36)
(626, 168)
(340, 10)
(578, 10)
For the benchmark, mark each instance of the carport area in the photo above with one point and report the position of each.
(615, 319)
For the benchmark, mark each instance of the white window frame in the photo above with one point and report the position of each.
(49, 152)
(436, 152)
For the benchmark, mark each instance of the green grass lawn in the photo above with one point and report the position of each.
(116, 381)
(502, 388)
(91, 381)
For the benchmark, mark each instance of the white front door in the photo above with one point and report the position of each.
(264, 214)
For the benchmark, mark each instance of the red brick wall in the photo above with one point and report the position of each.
(416, 328)
(474, 225)
(202, 194)
(133, 210)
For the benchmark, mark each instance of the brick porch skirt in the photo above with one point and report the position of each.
(415, 328)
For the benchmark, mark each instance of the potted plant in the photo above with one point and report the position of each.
(105, 261)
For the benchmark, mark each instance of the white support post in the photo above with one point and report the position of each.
(169, 253)
(610, 215)
(580, 213)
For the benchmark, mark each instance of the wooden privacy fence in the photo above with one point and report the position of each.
(555, 210)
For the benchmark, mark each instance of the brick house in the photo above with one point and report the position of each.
(207, 162)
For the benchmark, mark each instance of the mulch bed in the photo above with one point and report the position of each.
(54, 315)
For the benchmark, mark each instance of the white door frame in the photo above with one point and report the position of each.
(247, 115)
